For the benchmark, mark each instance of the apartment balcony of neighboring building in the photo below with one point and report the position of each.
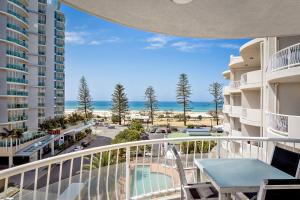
(250, 52)
(227, 109)
(284, 65)
(17, 41)
(283, 125)
(234, 87)
(17, 14)
(15, 106)
(251, 80)
(18, 54)
(14, 27)
(15, 68)
(251, 116)
(15, 92)
(236, 111)
(21, 4)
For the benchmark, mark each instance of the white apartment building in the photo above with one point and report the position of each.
(263, 95)
(31, 69)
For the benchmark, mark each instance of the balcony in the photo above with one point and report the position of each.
(17, 118)
(226, 90)
(251, 80)
(17, 28)
(18, 54)
(17, 93)
(283, 125)
(227, 109)
(134, 170)
(284, 65)
(17, 67)
(17, 41)
(20, 4)
(235, 86)
(17, 80)
(251, 116)
(17, 105)
(18, 16)
(236, 111)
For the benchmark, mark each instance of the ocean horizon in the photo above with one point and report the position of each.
(140, 105)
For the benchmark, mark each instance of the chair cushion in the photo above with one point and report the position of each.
(251, 195)
(203, 192)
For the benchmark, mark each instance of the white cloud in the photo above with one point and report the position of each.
(75, 37)
(188, 47)
(86, 38)
(158, 41)
(230, 46)
(112, 39)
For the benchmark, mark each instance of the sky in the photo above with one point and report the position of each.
(107, 53)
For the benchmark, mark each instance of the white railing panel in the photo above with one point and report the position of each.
(285, 58)
(134, 170)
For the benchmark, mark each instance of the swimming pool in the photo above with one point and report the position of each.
(145, 180)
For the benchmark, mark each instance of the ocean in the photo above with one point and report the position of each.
(139, 105)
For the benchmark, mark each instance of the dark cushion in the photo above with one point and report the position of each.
(250, 195)
(284, 193)
(285, 160)
(199, 193)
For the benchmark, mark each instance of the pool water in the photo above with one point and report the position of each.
(142, 180)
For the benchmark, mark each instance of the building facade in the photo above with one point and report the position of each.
(263, 95)
(31, 70)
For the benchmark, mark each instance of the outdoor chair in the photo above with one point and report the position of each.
(279, 189)
(282, 159)
(204, 190)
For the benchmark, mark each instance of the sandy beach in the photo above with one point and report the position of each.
(206, 119)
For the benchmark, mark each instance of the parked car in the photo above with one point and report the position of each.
(78, 148)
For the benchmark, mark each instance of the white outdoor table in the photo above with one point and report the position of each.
(230, 176)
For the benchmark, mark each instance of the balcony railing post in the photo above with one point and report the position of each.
(127, 184)
(219, 148)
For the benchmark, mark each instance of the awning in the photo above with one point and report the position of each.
(200, 18)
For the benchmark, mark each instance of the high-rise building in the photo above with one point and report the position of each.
(31, 68)
(263, 95)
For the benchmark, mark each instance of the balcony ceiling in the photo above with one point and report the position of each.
(200, 18)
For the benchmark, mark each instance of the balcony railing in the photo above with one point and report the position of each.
(285, 58)
(20, 17)
(17, 28)
(287, 125)
(278, 123)
(17, 67)
(17, 41)
(17, 80)
(251, 116)
(17, 54)
(17, 118)
(17, 105)
(235, 85)
(19, 3)
(236, 111)
(17, 93)
(135, 170)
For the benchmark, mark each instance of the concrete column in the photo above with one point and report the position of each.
(52, 148)
(10, 161)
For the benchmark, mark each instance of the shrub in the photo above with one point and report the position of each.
(190, 126)
(115, 119)
(206, 146)
(136, 125)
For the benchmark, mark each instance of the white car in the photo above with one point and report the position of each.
(78, 148)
